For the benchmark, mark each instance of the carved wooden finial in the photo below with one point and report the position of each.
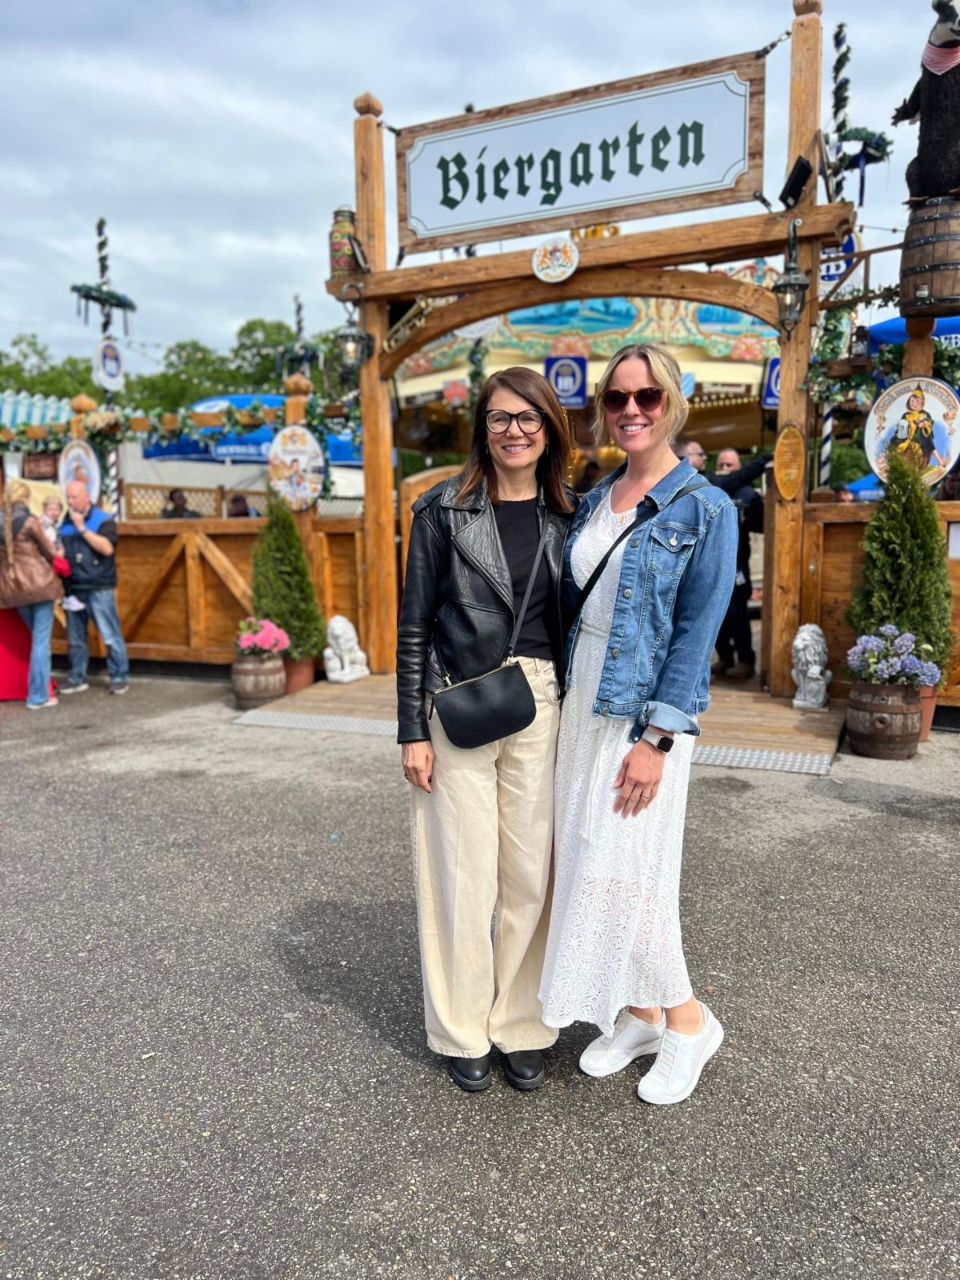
(82, 404)
(298, 384)
(803, 7)
(368, 105)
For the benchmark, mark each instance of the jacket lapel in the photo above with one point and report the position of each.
(478, 541)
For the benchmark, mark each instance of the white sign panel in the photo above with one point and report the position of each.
(296, 466)
(108, 366)
(79, 462)
(630, 148)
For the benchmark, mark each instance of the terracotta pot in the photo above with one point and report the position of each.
(257, 678)
(928, 706)
(883, 720)
(301, 673)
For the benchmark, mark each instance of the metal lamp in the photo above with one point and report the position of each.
(791, 285)
(354, 344)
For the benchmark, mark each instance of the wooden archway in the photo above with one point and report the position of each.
(604, 282)
(646, 263)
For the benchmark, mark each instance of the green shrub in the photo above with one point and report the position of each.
(904, 577)
(282, 590)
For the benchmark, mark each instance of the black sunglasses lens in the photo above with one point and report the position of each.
(649, 397)
(616, 401)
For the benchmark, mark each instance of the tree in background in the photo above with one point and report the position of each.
(904, 576)
(282, 589)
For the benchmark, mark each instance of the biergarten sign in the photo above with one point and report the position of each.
(678, 139)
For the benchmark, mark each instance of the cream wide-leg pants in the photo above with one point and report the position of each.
(482, 853)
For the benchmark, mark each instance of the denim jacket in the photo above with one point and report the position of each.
(676, 579)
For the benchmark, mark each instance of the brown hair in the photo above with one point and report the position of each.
(15, 492)
(665, 372)
(554, 462)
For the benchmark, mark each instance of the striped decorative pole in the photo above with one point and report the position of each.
(113, 483)
(826, 444)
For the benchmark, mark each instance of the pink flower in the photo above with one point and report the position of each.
(247, 642)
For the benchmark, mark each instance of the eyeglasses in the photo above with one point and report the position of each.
(647, 398)
(528, 420)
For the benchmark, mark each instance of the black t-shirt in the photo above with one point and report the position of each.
(519, 532)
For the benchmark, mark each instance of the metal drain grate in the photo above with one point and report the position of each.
(750, 758)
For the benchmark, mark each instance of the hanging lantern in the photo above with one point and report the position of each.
(791, 286)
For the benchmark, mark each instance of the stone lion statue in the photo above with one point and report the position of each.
(810, 672)
(343, 659)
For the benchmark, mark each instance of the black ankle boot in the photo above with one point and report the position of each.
(471, 1074)
(524, 1069)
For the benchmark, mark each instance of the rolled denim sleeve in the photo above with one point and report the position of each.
(702, 601)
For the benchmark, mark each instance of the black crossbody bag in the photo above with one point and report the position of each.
(498, 703)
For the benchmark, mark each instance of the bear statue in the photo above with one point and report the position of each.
(935, 101)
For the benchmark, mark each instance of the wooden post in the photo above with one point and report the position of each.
(787, 532)
(379, 575)
(918, 351)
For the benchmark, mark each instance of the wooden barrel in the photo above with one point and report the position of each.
(883, 720)
(257, 678)
(930, 261)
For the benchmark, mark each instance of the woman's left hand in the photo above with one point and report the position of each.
(638, 779)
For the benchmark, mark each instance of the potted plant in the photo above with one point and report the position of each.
(257, 674)
(283, 591)
(883, 711)
(905, 578)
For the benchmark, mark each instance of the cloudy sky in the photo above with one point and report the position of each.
(216, 135)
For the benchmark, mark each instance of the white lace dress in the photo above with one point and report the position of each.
(615, 923)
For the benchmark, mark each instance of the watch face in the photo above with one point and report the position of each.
(664, 744)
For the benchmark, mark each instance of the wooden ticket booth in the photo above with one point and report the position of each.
(659, 144)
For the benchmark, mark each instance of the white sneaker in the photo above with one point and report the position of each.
(676, 1071)
(632, 1037)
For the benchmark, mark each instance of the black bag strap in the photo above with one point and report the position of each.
(529, 591)
(698, 483)
(531, 581)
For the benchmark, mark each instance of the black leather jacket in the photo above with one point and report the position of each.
(458, 595)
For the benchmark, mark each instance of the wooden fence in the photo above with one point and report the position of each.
(147, 501)
(831, 573)
(184, 585)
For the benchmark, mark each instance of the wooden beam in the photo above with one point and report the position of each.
(918, 350)
(196, 596)
(378, 572)
(609, 282)
(226, 571)
(760, 235)
(806, 58)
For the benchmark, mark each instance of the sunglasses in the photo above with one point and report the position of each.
(647, 398)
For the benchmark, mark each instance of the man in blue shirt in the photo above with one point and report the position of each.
(89, 543)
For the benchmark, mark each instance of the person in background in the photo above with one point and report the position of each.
(50, 523)
(237, 507)
(90, 542)
(29, 584)
(949, 488)
(736, 658)
(591, 474)
(843, 494)
(178, 509)
(692, 450)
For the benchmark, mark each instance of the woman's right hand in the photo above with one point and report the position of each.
(417, 758)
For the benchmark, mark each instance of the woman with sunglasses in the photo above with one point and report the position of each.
(636, 667)
(483, 817)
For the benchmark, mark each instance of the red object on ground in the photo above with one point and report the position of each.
(14, 657)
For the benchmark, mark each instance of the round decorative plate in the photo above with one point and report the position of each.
(555, 260)
(917, 418)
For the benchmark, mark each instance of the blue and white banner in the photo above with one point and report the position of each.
(770, 397)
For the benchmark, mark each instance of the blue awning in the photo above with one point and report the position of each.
(893, 331)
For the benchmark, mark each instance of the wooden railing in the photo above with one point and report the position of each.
(184, 585)
(832, 555)
(147, 501)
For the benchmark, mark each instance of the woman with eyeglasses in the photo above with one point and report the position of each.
(483, 816)
(648, 570)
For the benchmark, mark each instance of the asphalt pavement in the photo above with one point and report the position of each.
(212, 1062)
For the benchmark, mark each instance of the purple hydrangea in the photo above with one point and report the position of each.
(929, 673)
(872, 644)
(856, 658)
(911, 665)
(904, 643)
(888, 629)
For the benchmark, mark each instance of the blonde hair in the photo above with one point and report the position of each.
(15, 492)
(665, 372)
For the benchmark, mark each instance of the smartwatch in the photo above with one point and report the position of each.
(656, 739)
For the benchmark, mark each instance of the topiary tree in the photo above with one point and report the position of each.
(904, 577)
(282, 590)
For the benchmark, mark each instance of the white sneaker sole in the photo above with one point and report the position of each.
(621, 1063)
(713, 1044)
